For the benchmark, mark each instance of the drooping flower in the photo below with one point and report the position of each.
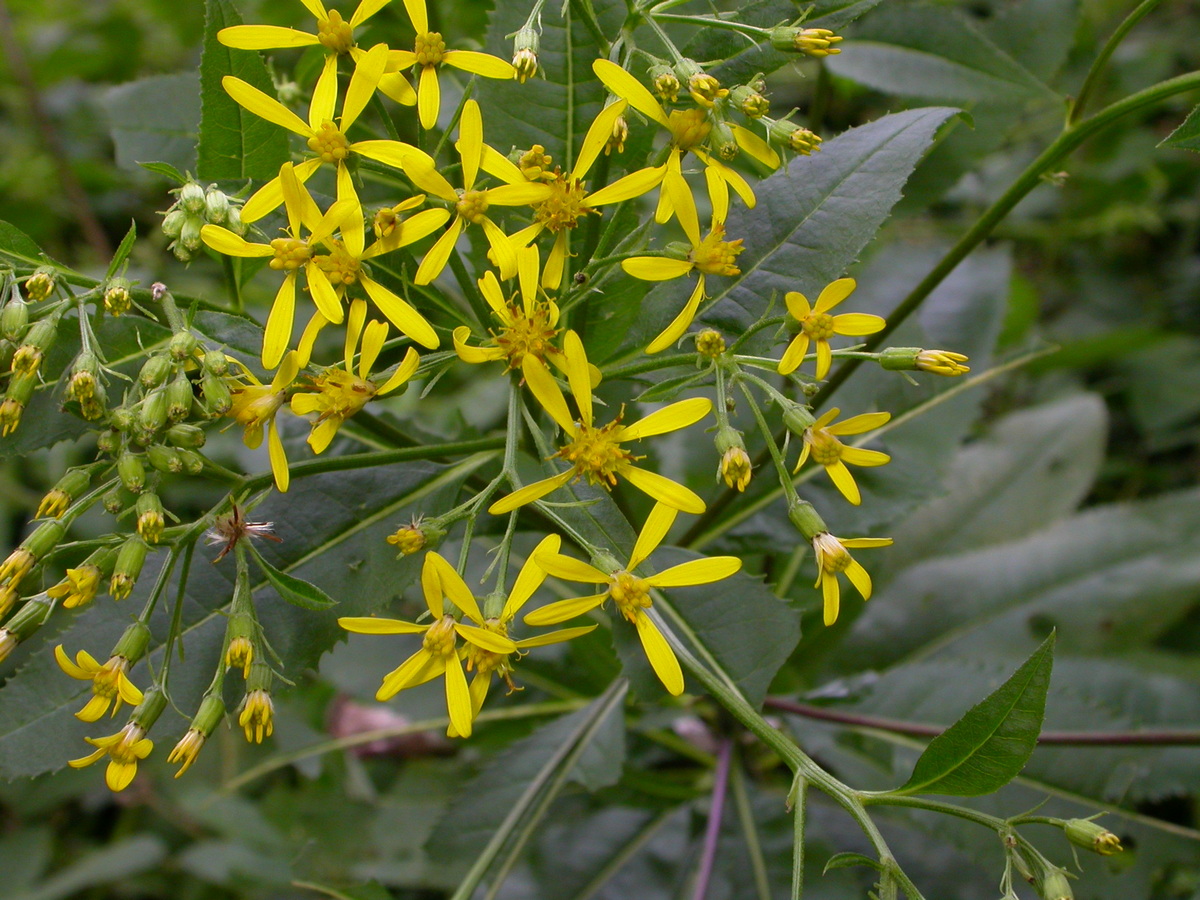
(631, 593)
(822, 444)
(816, 324)
(471, 203)
(833, 558)
(338, 393)
(711, 255)
(596, 453)
(439, 653)
(123, 749)
(255, 405)
(429, 53)
(110, 682)
(324, 133)
(257, 717)
(333, 32)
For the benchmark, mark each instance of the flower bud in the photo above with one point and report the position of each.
(15, 319)
(208, 717)
(172, 224)
(67, 489)
(150, 522)
(38, 339)
(216, 206)
(122, 419)
(193, 462)
(130, 559)
(735, 466)
(703, 88)
(1087, 834)
(179, 398)
(152, 414)
(665, 82)
(257, 710)
(525, 53)
(799, 140)
(710, 343)
(116, 500)
(804, 516)
(189, 239)
(39, 285)
(185, 435)
(117, 300)
(164, 459)
(191, 198)
(215, 361)
(27, 620)
(132, 472)
(108, 441)
(722, 141)
(233, 221)
(155, 371)
(749, 101)
(217, 398)
(30, 551)
(1055, 886)
(817, 42)
(420, 535)
(183, 344)
(20, 389)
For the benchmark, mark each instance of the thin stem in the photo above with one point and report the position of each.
(1100, 63)
(234, 284)
(751, 31)
(741, 799)
(712, 831)
(652, 364)
(584, 11)
(799, 800)
(785, 477)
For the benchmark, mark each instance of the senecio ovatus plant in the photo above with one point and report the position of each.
(494, 259)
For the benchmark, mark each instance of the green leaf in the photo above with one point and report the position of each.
(295, 590)
(123, 251)
(234, 143)
(162, 168)
(846, 860)
(19, 246)
(670, 388)
(1187, 135)
(988, 747)
(116, 862)
(934, 53)
(154, 118)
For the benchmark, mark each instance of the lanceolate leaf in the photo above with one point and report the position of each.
(296, 591)
(123, 251)
(155, 118)
(988, 747)
(17, 245)
(234, 143)
(1187, 135)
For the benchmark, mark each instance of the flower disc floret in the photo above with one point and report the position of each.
(258, 716)
(334, 33)
(565, 205)
(472, 206)
(597, 454)
(429, 49)
(329, 143)
(714, 255)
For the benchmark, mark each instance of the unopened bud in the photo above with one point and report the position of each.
(233, 221)
(208, 717)
(191, 198)
(1087, 834)
(751, 103)
(67, 489)
(185, 435)
(722, 141)
(130, 559)
(150, 521)
(217, 398)
(164, 459)
(152, 414)
(735, 465)
(183, 344)
(39, 285)
(525, 53)
(817, 42)
(189, 239)
(799, 140)
(27, 620)
(15, 319)
(122, 419)
(117, 300)
(1056, 887)
(216, 362)
(116, 500)
(710, 343)
(216, 206)
(179, 398)
(193, 462)
(172, 224)
(155, 371)
(133, 643)
(665, 82)
(132, 472)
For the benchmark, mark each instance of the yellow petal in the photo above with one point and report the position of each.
(844, 481)
(65, 663)
(523, 194)
(656, 268)
(373, 625)
(853, 543)
(416, 12)
(368, 69)
(488, 640)
(405, 371)
(479, 63)
(502, 248)
(859, 578)
(323, 293)
(857, 323)
(94, 709)
(365, 10)
(529, 493)
(323, 434)
(797, 304)
(670, 418)
(824, 358)
(834, 293)
(682, 200)
(556, 263)
(422, 171)
(474, 355)
(659, 652)
(470, 142)
(555, 637)
(400, 313)
(396, 86)
(794, 355)
(856, 456)
(496, 163)
(543, 386)
(119, 775)
(731, 177)
(255, 101)
(353, 234)
(324, 97)
(458, 698)
(528, 266)
(128, 691)
(632, 185)
(680, 323)
(860, 423)
(530, 578)
(658, 523)
(597, 138)
(278, 458)
(410, 672)
(264, 37)
(372, 344)
(831, 593)
(562, 610)
(697, 571)
(755, 146)
(626, 86)
(428, 98)
(578, 376)
(439, 254)
(278, 331)
(562, 566)
(431, 584)
(664, 490)
(455, 588)
(225, 241)
(308, 338)
(718, 195)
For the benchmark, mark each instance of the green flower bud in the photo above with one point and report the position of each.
(116, 500)
(155, 371)
(1087, 834)
(216, 362)
(185, 435)
(150, 521)
(65, 492)
(152, 414)
(154, 701)
(122, 419)
(45, 538)
(193, 462)
(525, 53)
(1056, 887)
(130, 559)
(797, 418)
(216, 206)
(813, 41)
(108, 441)
(172, 225)
(179, 397)
(117, 299)
(132, 472)
(665, 82)
(722, 141)
(164, 459)
(39, 285)
(233, 221)
(217, 399)
(191, 198)
(183, 345)
(749, 101)
(15, 319)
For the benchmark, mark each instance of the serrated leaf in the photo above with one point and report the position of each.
(234, 143)
(123, 250)
(162, 168)
(990, 744)
(17, 245)
(155, 118)
(669, 388)
(1187, 135)
(846, 860)
(295, 591)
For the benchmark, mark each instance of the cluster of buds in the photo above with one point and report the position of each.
(29, 343)
(31, 551)
(420, 534)
(39, 285)
(194, 208)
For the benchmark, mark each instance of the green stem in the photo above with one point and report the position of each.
(745, 813)
(785, 477)
(799, 801)
(470, 291)
(652, 364)
(585, 13)
(1101, 61)
(750, 31)
(234, 284)
(1062, 146)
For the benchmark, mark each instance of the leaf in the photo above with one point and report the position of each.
(123, 251)
(988, 747)
(116, 862)
(17, 244)
(234, 143)
(846, 860)
(921, 51)
(295, 590)
(1187, 135)
(154, 118)
(162, 168)
(670, 388)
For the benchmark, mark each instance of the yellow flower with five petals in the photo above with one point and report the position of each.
(254, 407)
(817, 325)
(631, 593)
(833, 559)
(334, 33)
(822, 444)
(595, 453)
(123, 749)
(110, 683)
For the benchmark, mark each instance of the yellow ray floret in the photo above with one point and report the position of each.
(816, 324)
(333, 32)
(833, 559)
(822, 444)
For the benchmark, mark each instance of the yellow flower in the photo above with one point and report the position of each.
(110, 683)
(339, 393)
(631, 593)
(240, 654)
(258, 715)
(712, 255)
(79, 587)
(833, 558)
(123, 749)
(736, 468)
(569, 201)
(429, 52)
(325, 134)
(439, 653)
(822, 444)
(333, 32)
(816, 324)
(290, 254)
(255, 405)
(689, 129)
(187, 750)
(471, 204)
(596, 453)
(942, 362)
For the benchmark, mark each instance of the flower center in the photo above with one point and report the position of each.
(339, 265)
(630, 593)
(527, 336)
(826, 449)
(255, 404)
(832, 556)
(472, 206)
(818, 326)
(486, 661)
(596, 454)
(564, 206)
(329, 143)
(535, 164)
(290, 254)
(342, 394)
(441, 638)
(689, 127)
(335, 33)
(715, 256)
(104, 683)
(430, 48)
(124, 751)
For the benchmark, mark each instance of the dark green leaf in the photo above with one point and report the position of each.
(122, 251)
(988, 747)
(847, 860)
(234, 143)
(295, 590)
(18, 245)
(1187, 135)
(155, 118)
(670, 388)
(162, 168)
(116, 862)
